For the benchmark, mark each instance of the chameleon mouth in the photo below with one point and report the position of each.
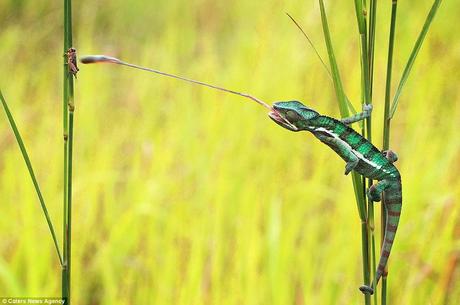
(280, 120)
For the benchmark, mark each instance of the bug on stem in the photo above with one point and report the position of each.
(71, 61)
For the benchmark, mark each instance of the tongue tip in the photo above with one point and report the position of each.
(274, 115)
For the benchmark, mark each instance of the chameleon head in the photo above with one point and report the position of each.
(292, 115)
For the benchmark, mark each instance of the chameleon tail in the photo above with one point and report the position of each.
(393, 204)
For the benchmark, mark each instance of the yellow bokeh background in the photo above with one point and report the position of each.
(186, 195)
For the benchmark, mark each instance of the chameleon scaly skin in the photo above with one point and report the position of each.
(360, 155)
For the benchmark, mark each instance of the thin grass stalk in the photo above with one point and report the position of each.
(25, 155)
(413, 55)
(370, 57)
(386, 129)
(387, 118)
(366, 80)
(68, 108)
(342, 101)
(371, 42)
(384, 291)
(69, 203)
(349, 104)
(388, 113)
(357, 182)
(65, 119)
(64, 285)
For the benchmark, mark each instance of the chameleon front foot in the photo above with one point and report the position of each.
(367, 108)
(366, 289)
(390, 155)
(351, 166)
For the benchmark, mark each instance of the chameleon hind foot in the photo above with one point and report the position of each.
(373, 193)
(366, 289)
(390, 155)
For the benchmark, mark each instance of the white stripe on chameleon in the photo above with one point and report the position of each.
(357, 153)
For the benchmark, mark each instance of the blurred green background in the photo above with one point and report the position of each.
(185, 195)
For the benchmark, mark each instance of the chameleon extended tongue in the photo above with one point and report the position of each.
(94, 59)
(277, 117)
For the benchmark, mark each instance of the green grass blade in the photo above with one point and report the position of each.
(386, 128)
(31, 172)
(68, 108)
(333, 63)
(384, 289)
(342, 100)
(413, 55)
(370, 58)
(351, 108)
(364, 53)
(369, 258)
(371, 42)
(357, 181)
(386, 118)
(360, 16)
(311, 45)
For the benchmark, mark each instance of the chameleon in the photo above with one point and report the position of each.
(360, 155)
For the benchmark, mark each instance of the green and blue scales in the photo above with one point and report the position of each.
(360, 155)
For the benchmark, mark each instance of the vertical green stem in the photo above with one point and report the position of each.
(386, 125)
(366, 80)
(68, 231)
(68, 107)
(384, 290)
(371, 42)
(356, 178)
(413, 54)
(65, 134)
(370, 50)
(387, 119)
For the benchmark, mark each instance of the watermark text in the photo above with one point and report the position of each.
(31, 300)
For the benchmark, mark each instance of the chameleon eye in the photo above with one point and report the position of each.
(292, 116)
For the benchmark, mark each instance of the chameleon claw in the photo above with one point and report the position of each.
(347, 170)
(367, 108)
(390, 155)
(366, 289)
(373, 193)
(350, 166)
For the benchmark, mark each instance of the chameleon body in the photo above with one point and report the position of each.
(360, 155)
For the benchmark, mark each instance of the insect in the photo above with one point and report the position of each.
(359, 154)
(71, 61)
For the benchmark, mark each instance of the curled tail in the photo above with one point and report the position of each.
(393, 203)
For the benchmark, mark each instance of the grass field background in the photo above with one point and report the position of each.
(185, 195)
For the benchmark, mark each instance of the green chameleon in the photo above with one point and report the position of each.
(360, 155)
